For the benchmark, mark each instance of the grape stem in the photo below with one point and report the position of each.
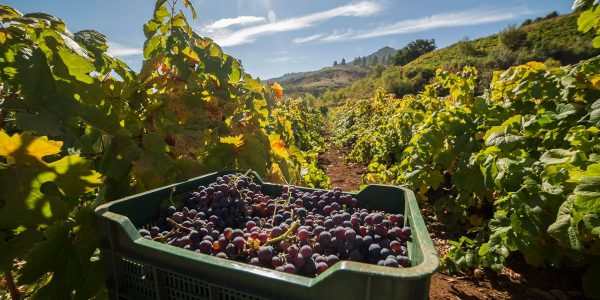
(12, 287)
(177, 225)
(283, 236)
(164, 237)
(171, 196)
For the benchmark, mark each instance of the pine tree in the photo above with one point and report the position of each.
(374, 61)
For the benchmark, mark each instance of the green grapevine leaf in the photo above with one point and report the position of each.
(592, 222)
(7, 13)
(562, 229)
(587, 20)
(44, 123)
(25, 174)
(502, 139)
(556, 156)
(12, 246)
(161, 11)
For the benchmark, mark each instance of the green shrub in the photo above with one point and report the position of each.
(512, 37)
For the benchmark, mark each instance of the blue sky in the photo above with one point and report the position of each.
(274, 37)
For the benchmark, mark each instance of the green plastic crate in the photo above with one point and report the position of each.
(138, 268)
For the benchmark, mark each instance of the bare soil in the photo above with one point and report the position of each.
(517, 281)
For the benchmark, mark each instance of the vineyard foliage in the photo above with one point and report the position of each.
(516, 169)
(80, 128)
(302, 128)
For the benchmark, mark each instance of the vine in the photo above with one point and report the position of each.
(80, 128)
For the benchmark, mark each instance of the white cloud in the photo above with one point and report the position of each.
(227, 38)
(279, 59)
(453, 19)
(338, 35)
(309, 38)
(271, 16)
(116, 49)
(227, 22)
(287, 59)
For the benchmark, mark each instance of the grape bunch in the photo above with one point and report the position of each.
(298, 232)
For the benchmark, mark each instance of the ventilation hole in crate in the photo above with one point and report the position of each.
(185, 288)
(180, 287)
(138, 278)
(227, 294)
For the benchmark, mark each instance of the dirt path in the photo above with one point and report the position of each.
(347, 176)
(524, 283)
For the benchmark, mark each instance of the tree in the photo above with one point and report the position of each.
(363, 61)
(374, 60)
(335, 63)
(343, 62)
(384, 60)
(376, 71)
(551, 15)
(413, 50)
(526, 22)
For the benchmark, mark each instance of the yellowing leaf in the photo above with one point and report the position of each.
(278, 90)
(475, 220)
(278, 147)
(236, 141)
(275, 175)
(37, 147)
(274, 136)
(9, 144)
(536, 66)
(191, 54)
(595, 79)
(41, 147)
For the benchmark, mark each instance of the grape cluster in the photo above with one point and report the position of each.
(298, 232)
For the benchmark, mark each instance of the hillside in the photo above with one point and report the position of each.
(317, 82)
(554, 41)
(329, 78)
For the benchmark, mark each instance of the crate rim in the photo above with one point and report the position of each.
(425, 269)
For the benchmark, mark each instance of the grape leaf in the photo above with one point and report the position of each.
(236, 141)
(25, 174)
(587, 19)
(501, 139)
(562, 229)
(12, 246)
(154, 168)
(7, 12)
(76, 66)
(556, 156)
(278, 147)
(592, 222)
(595, 117)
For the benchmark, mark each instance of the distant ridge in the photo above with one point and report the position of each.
(335, 77)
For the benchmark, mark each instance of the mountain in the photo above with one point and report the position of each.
(553, 40)
(317, 82)
(287, 76)
(329, 78)
(382, 54)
